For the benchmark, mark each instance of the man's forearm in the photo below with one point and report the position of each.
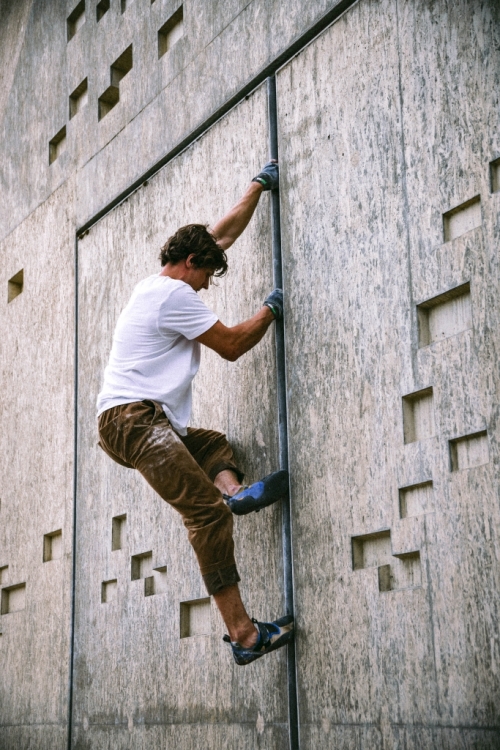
(232, 342)
(229, 228)
(246, 335)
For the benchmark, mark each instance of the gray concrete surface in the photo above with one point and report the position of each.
(133, 641)
(388, 127)
(371, 160)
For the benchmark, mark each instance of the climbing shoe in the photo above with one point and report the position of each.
(260, 494)
(272, 635)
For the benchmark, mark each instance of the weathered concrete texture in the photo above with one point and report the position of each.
(161, 100)
(36, 444)
(393, 129)
(132, 668)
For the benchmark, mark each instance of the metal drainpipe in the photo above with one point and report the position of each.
(293, 713)
(73, 543)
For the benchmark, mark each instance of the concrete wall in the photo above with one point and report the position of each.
(372, 158)
(133, 668)
(389, 199)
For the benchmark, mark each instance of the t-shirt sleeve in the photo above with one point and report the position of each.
(183, 312)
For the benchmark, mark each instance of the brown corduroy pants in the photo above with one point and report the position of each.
(181, 470)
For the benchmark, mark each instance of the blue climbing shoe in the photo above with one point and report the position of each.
(259, 495)
(272, 635)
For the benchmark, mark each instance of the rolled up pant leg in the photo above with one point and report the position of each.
(140, 436)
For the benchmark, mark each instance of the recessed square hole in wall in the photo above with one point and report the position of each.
(157, 583)
(403, 573)
(445, 315)
(76, 19)
(462, 219)
(109, 590)
(416, 499)
(495, 176)
(118, 70)
(118, 530)
(107, 101)
(171, 32)
(52, 546)
(124, 5)
(15, 285)
(78, 98)
(195, 618)
(13, 598)
(371, 550)
(3, 571)
(469, 451)
(141, 566)
(418, 415)
(57, 145)
(102, 7)
(122, 66)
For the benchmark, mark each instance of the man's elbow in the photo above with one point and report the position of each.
(232, 354)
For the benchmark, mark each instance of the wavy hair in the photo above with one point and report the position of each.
(195, 239)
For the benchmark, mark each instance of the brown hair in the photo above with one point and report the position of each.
(195, 238)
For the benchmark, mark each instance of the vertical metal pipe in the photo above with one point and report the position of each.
(73, 543)
(282, 418)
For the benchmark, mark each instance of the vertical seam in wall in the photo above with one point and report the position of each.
(293, 709)
(414, 327)
(75, 479)
(413, 310)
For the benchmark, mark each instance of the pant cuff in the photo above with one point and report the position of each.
(219, 579)
(222, 466)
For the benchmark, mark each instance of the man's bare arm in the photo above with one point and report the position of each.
(231, 343)
(228, 229)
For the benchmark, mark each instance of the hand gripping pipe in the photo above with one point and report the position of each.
(282, 418)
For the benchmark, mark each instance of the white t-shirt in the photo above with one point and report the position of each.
(154, 355)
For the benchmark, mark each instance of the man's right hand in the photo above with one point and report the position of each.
(275, 303)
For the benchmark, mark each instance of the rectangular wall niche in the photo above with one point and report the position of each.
(52, 546)
(371, 550)
(57, 145)
(118, 71)
(109, 590)
(418, 416)
(416, 499)
(157, 583)
(101, 8)
(155, 579)
(171, 32)
(403, 573)
(195, 618)
(78, 98)
(76, 19)
(445, 315)
(13, 598)
(118, 530)
(3, 571)
(15, 285)
(395, 571)
(495, 176)
(462, 219)
(469, 451)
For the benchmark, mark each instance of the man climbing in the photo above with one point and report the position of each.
(145, 405)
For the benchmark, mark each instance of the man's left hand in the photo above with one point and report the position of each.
(269, 176)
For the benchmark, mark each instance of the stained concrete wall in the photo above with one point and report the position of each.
(386, 128)
(372, 158)
(36, 444)
(174, 689)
